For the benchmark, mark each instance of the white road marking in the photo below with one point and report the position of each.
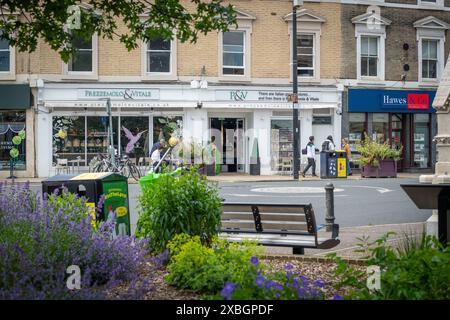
(379, 189)
(276, 196)
(293, 190)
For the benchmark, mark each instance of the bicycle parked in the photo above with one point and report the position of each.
(123, 166)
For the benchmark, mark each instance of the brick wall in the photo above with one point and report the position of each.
(399, 32)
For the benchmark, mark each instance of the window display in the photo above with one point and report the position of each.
(380, 127)
(281, 139)
(11, 124)
(421, 140)
(134, 136)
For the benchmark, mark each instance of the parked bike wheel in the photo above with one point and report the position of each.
(135, 173)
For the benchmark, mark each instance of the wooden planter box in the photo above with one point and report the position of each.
(387, 169)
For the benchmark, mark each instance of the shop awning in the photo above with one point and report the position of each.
(15, 96)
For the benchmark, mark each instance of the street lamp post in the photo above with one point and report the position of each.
(111, 150)
(295, 105)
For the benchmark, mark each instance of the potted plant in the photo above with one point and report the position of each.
(378, 160)
(255, 161)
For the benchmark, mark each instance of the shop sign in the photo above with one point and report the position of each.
(118, 94)
(265, 96)
(401, 101)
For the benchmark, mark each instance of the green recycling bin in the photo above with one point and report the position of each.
(113, 186)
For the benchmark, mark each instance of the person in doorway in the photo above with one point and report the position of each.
(310, 154)
(156, 157)
(348, 151)
(328, 144)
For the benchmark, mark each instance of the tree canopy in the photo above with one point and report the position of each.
(57, 22)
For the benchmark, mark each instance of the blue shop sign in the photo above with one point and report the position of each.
(399, 101)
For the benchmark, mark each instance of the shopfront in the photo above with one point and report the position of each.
(16, 120)
(402, 118)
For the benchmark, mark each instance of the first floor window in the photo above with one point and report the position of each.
(429, 58)
(369, 56)
(305, 55)
(12, 149)
(158, 55)
(81, 60)
(233, 53)
(4, 55)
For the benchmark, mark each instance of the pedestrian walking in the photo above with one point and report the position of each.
(348, 151)
(328, 144)
(310, 154)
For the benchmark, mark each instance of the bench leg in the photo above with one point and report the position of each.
(298, 250)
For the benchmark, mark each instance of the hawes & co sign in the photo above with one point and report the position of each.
(118, 94)
(400, 101)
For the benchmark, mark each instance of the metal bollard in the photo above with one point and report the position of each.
(329, 199)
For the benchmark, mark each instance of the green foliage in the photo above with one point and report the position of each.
(414, 270)
(143, 20)
(206, 269)
(184, 204)
(69, 202)
(372, 152)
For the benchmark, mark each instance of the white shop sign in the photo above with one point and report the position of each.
(118, 94)
(265, 96)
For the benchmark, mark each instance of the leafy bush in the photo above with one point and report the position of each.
(372, 152)
(172, 205)
(40, 239)
(200, 268)
(414, 271)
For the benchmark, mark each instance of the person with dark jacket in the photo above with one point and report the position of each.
(328, 144)
(310, 154)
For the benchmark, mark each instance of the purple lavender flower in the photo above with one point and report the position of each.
(319, 284)
(254, 260)
(227, 291)
(289, 266)
(304, 281)
(259, 281)
(338, 297)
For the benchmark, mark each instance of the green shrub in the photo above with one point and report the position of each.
(414, 271)
(372, 152)
(206, 269)
(172, 205)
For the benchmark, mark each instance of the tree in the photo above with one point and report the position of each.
(58, 22)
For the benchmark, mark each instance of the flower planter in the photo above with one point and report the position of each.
(387, 169)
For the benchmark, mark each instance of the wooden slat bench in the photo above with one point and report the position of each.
(287, 225)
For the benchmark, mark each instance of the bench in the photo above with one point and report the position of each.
(287, 225)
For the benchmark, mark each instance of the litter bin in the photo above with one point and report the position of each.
(341, 164)
(328, 164)
(113, 186)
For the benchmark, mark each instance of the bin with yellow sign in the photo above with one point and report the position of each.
(341, 164)
(113, 186)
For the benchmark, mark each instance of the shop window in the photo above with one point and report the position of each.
(281, 140)
(159, 56)
(97, 135)
(134, 136)
(165, 127)
(357, 129)
(11, 124)
(68, 138)
(380, 127)
(421, 140)
(322, 116)
(233, 44)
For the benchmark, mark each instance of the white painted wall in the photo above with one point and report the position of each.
(261, 130)
(44, 144)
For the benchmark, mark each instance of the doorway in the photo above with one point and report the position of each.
(228, 135)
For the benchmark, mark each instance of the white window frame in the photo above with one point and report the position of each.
(314, 55)
(433, 29)
(440, 59)
(365, 29)
(380, 58)
(307, 23)
(247, 56)
(171, 75)
(243, 53)
(85, 74)
(11, 74)
(427, 3)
